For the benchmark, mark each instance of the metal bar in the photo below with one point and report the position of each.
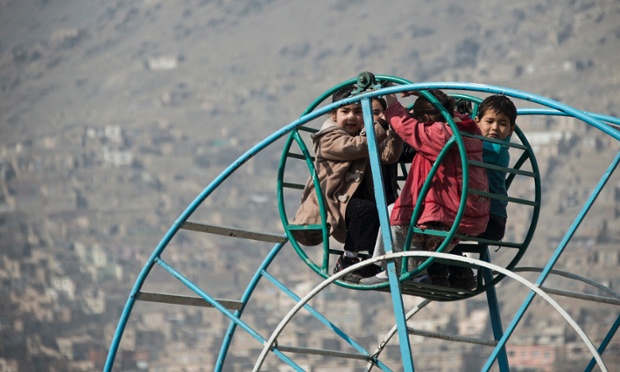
(582, 296)
(308, 129)
(339, 354)
(503, 169)
(552, 261)
(501, 142)
(233, 232)
(297, 186)
(506, 198)
(494, 312)
(321, 318)
(232, 327)
(397, 300)
(185, 300)
(604, 344)
(450, 337)
(296, 156)
(568, 275)
(228, 314)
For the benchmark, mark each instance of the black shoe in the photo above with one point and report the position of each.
(439, 274)
(462, 278)
(372, 280)
(440, 281)
(344, 262)
(368, 271)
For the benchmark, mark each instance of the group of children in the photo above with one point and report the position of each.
(417, 136)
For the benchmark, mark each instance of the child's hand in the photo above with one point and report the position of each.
(381, 121)
(409, 93)
(402, 94)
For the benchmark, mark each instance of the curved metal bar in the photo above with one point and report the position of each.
(388, 336)
(183, 218)
(444, 257)
(320, 200)
(566, 274)
(595, 120)
(552, 261)
(585, 117)
(606, 341)
(320, 317)
(458, 139)
(219, 364)
(549, 112)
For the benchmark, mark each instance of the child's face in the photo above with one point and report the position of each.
(377, 110)
(350, 118)
(494, 125)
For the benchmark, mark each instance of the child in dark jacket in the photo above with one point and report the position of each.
(497, 116)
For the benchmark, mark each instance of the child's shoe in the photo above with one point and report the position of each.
(462, 278)
(344, 262)
(376, 279)
(439, 277)
(369, 271)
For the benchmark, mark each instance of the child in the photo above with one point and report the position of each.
(343, 168)
(427, 132)
(496, 118)
(390, 171)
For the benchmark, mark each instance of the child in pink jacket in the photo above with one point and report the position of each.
(426, 131)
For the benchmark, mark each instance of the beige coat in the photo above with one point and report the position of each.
(340, 161)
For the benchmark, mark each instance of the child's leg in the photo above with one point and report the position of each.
(438, 272)
(379, 249)
(496, 228)
(464, 277)
(362, 221)
(398, 241)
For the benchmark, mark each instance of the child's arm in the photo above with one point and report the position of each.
(391, 148)
(337, 145)
(427, 139)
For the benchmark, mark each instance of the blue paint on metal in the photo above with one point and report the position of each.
(244, 299)
(608, 337)
(397, 300)
(601, 122)
(552, 261)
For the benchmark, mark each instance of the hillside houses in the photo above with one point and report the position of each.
(82, 249)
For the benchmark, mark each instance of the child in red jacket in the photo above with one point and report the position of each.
(427, 132)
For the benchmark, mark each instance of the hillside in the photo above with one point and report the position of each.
(114, 115)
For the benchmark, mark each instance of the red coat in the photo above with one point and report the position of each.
(443, 198)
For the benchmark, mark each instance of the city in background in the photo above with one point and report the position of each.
(115, 115)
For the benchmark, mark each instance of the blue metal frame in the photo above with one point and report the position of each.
(597, 121)
(397, 300)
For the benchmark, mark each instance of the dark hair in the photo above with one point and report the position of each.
(381, 100)
(500, 104)
(343, 93)
(422, 106)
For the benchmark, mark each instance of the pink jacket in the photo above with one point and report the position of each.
(443, 198)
